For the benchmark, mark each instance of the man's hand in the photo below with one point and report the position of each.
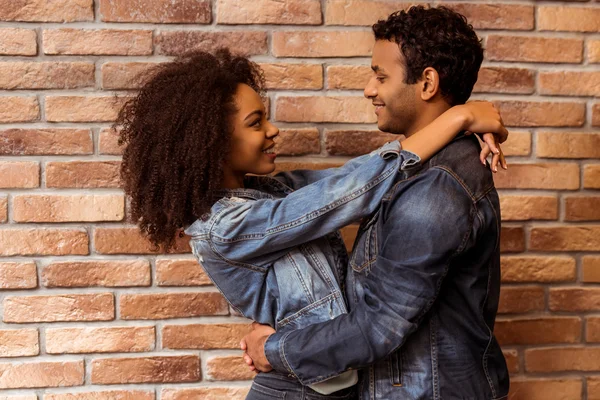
(253, 345)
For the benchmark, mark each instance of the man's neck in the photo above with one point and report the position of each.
(426, 116)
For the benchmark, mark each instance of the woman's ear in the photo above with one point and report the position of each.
(430, 84)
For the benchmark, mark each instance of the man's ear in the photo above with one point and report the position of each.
(430, 84)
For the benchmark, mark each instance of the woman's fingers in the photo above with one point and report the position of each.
(485, 152)
(490, 140)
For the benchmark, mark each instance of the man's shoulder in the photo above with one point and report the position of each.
(460, 160)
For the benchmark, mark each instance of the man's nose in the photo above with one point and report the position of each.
(370, 90)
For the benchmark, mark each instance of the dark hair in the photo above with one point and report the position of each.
(439, 38)
(176, 132)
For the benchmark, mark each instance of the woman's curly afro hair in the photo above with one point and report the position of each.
(439, 38)
(176, 133)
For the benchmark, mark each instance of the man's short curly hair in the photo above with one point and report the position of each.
(176, 131)
(439, 38)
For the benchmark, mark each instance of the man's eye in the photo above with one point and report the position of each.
(380, 78)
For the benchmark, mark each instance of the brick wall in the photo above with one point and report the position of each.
(89, 311)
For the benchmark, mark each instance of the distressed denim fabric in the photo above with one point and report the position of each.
(423, 289)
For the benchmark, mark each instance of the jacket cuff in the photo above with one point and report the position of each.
(409, 159)
(390, 149)
(274, 351)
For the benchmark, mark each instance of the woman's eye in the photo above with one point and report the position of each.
(256, 123)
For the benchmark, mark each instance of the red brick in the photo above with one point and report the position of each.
(534, 49)
(571, 83)
(591, 176)
(99, 340)
(518, 144)
(538, 269)
(361, 12)
(512, 360)
(579, 208)
(556, 176)
(521, 299)
(591, 269)
(172, 305)
(290, 12)
(565, 238)
(103, 395)
(83, 108)
(562, 359)
(19, 174)
(568, 145)
(505, 80)
(596, 114)
(100, 42)
(232, 368)
(170, 369)
(293, 76)
(593, 388)
(545, 330)
(180, 273)
(524, 208)
(240, 42)
(18, 42)
(206, 393)
(593, 51)
(43, 241)
(71, 307)
(322, 43)
(125, 75)
(497, 16)
(19, 343)
(18, 275)
(130, 241)
(592, 332)
(83, 174)
(325, 109)
(156, 11)
(3, 209)
(306, 164)
(108, 142)
(68, 208)
(512, 239)
(296, 142)
(204, 336)
(41, 374)
(348, 76)
(46, 75)
(545, 389)
(37, 142)
(108, 273)
(47, 11)
(19, 109)
(574, 19)
(574, 299)
(525, 113)
(355, 143)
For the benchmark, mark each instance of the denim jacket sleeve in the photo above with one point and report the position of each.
(422, 231)
(301, 177)
(254, 232)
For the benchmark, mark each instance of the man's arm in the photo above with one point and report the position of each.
(428, 224)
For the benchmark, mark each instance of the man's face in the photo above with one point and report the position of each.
(395, 101)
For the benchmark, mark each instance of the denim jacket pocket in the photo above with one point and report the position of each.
(366, 246)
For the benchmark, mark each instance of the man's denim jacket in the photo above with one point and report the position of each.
(423, 289)
(267, 247)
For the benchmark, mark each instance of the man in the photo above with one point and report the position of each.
(425, 281)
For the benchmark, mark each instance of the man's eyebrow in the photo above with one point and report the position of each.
(255, 112)
(377, 69)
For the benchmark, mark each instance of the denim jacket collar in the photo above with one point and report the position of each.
(256, 188)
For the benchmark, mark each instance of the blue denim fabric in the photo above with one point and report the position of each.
(275, 385)
(423, 291)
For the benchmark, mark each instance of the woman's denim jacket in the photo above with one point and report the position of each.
(274, 253)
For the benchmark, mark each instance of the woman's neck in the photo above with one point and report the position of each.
(232, 180)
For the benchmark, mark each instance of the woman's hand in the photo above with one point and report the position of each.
(483, 119)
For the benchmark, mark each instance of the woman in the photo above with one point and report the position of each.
(195, 131)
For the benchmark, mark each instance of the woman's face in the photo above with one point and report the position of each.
(252, 139)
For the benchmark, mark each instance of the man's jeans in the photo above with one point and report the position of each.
(277, 385)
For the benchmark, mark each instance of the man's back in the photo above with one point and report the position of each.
(427, 265)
